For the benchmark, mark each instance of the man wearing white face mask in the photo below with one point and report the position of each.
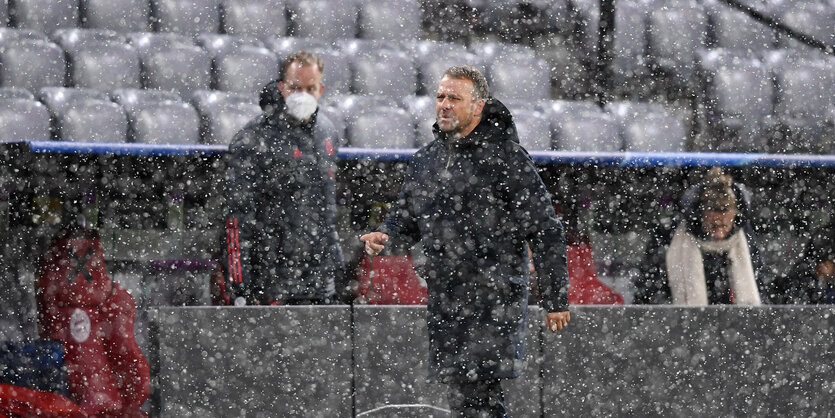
(281, 245)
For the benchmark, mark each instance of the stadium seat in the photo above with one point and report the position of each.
(422, 109)
(389, 20)
(433, 58)
(737, 96)
(172, 62)
(189, 18)
(675, 35)
(259, 18)
(629, 64)
(99, 59)
(31, 64)
(516, 21)
(586, 132)
(123, 16)
(569, 77)
(337, 117)
(386, 72)
(23, 119)
(84, 115)
(654, 132)
(43, 15)
(12, 34)
(814, 19)
(158, 117)
(245, 70)
(534, 131)
(286, 45)
(390, 280)
(519, 77)
(733, 29)
(15, 93)
(223, 114)
(328, 20)
(804, 93)
(382, 127)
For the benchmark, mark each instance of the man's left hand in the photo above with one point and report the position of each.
(556, 321)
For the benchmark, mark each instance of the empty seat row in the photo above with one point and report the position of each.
(127, 115)
(106, 60)
(383, 122)
(327, 19)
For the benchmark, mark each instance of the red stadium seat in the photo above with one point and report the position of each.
(390, 280)
(584, 288)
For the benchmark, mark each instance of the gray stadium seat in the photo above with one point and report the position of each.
(245, 70)
(422, 109)
(814, 19)
(569, 77)
(433, 58)
(172, 62)
(189, 18)
(222, 114)
(733, 29)
(737, 94)
(629, 54)
(597, 132)
(389, 20)
(648, 127)
(283, 46)
(386, 72)
(675, 36)
(159, 117)
(382, 127)
(534, 130)
(99, 58)
(15, 93)
(4, 12)
(84, 115)
(335, 115)
(43, 15)
(31, 64)
(519, 77)
(23, 119)
(329, 20)
(804, 93)
(217, 43)
(12, 34)
(122, 16)
(259, 18)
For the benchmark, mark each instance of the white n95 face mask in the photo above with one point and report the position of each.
(301, 105)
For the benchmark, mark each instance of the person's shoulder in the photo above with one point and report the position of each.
(244, 137)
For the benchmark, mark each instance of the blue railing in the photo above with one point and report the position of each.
(625, 159)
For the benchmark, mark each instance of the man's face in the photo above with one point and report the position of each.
(456, 111)
(825, 271)
(305, 78)
(718, 224)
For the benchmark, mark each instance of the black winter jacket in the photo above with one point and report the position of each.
(474, 203)
(280, 193)
(651, 285)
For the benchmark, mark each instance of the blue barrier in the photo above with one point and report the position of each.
(624, 159)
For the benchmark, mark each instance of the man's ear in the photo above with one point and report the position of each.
(479, 107)
(321, 90)
(281, 87)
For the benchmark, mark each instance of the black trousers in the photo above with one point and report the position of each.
(481, 399)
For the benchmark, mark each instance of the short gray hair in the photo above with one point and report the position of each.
(468, 72)
(304, 58)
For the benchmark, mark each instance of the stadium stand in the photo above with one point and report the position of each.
(241, 66)
(223, 114)
(123, 16)
(158, 117)
(816, 19)
(258, 18)
(337, 75)
(648, 127)
(15, 93)
(22, 117)
(533, 130)
(84, 115)
(172, 62)
(99, 58)
(382, 127)
(31, 63)
(422, 109)
(329, 20)
(732, 29)
(433, 58)
(586, 132)
(675, 35)
(389, 20)
(189, 18)
(382, 71)
(43, 15)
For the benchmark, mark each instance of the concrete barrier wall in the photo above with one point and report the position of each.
(610, 361)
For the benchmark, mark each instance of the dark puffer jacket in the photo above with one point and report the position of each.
(474, 203)
(280, 193)
(652, 286)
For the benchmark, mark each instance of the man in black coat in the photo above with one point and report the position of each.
(474, 200)
(811, 279)
(281, 241)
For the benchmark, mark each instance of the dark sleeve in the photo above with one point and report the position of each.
(400, 223)
(763, 273)
(533, 212)
(651, 285)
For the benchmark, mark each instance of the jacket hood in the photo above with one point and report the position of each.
(496, 125)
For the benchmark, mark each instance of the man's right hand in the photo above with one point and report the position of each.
(374, 242)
